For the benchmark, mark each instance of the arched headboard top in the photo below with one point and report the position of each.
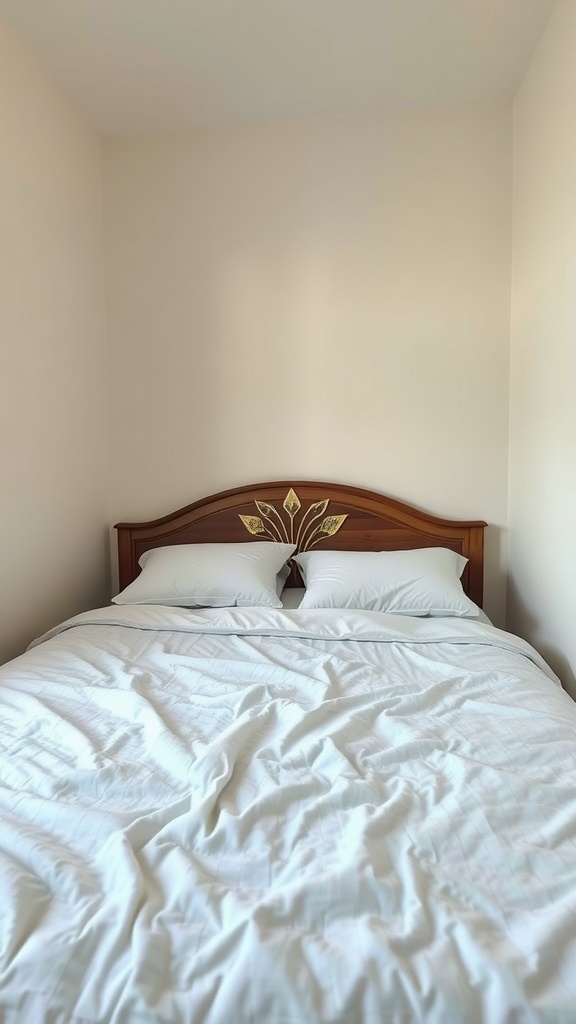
(309, 514)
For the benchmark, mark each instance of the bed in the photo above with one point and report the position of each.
(290, 812)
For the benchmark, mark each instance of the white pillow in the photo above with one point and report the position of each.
(210, 575)
(425, 581)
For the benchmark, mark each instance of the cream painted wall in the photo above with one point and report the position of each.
(322, 300)
(542, 591)
(53, 431)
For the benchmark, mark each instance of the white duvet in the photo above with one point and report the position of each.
(275, 817)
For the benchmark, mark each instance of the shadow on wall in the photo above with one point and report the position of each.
(519, 613)
(495, 574)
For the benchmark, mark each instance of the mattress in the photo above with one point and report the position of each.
(260, 815)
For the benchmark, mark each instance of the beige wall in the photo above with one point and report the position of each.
(53, 447)
(324, 300)
(542, 592)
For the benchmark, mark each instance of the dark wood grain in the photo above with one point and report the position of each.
(374, 523)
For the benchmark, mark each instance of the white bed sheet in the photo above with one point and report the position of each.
(249, 815)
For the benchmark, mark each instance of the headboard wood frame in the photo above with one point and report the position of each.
(332, 515)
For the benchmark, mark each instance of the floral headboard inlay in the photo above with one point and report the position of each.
(292, 525)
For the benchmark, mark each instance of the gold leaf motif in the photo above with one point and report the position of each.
(319, 506)
(291, 503)
(265, 508)
(331, 524)
(253, 524)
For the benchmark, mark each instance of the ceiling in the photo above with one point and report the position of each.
(164, 65)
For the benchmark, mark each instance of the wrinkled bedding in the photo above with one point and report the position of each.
(285, 817)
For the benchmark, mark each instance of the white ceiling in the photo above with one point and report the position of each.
(161, 65)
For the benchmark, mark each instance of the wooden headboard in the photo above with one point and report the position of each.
(309, 514)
